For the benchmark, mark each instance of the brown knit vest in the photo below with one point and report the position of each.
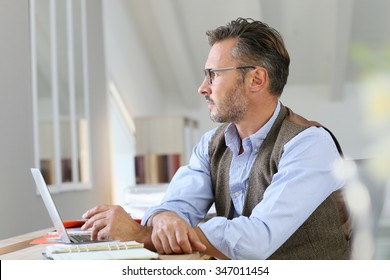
(324, 235)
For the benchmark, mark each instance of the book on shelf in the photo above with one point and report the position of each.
(114, 250)
(156, 169)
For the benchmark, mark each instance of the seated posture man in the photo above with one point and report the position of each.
(268, 170)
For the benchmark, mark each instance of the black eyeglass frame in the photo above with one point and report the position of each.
(209, 71)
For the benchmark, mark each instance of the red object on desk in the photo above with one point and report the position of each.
(74, 223)
(80, 223)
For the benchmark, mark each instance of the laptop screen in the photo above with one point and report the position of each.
(50, 206)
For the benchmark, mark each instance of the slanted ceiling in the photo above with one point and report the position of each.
(318, 35)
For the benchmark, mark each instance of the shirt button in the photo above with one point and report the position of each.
(237, 194)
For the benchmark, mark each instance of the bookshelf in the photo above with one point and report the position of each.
(163, 144)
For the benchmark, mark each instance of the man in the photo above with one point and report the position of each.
(268, 170)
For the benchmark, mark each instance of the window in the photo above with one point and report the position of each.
(60, 93)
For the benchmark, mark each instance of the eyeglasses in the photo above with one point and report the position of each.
(210, 72)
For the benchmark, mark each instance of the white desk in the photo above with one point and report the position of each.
(19, 248)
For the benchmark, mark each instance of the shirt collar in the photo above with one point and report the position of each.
(256, 139)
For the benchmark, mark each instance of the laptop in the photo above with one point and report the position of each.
(66, 237)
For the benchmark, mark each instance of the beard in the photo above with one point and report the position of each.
(232, 106)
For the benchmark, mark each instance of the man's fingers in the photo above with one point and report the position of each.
(172, 234)
(96, 229)
(183, 243)
(95, 210)
(102, 234)
(92, 220)
(198, 246)
(195, 242)
(158, 243)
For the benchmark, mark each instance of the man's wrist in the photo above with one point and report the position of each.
(145, 237)
(149, 222)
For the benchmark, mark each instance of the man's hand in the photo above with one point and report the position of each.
(114, 223)
(173, 235)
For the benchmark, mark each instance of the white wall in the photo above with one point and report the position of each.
(22, 210)
(343, 117)
(18, 203)
(128, 66)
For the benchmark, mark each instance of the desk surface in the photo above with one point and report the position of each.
(19, 248)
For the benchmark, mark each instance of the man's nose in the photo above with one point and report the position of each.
(204, 88)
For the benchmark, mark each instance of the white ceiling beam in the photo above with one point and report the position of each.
(174, 41)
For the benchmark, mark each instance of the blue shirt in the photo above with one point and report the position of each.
(305, 178)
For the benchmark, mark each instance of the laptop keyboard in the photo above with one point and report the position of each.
(80, 238)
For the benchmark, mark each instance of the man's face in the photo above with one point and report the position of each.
(226, 98)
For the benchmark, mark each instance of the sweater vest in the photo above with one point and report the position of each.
(326, 232)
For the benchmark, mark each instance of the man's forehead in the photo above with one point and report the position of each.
(220, 53)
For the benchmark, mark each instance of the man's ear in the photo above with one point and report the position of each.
(259, 79)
